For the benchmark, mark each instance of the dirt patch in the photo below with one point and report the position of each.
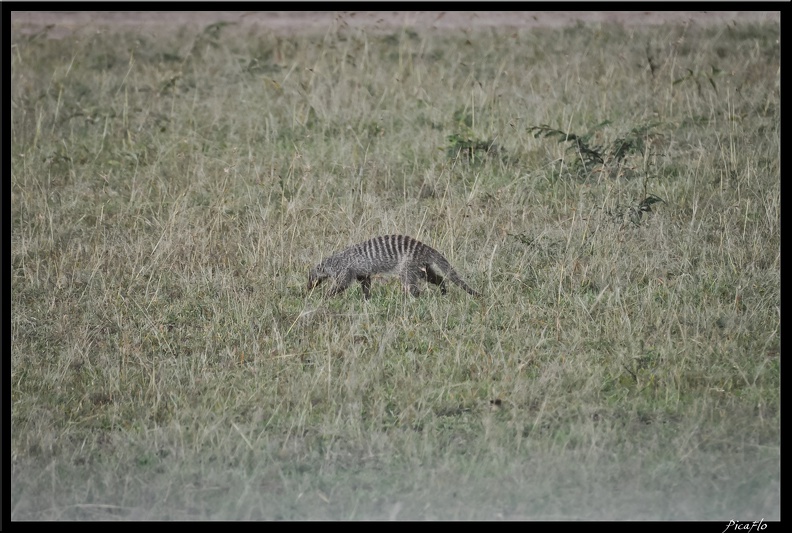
(61, 23)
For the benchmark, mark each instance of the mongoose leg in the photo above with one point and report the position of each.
(436, 279)
(342, 283)
(410, 282)
(365, 282)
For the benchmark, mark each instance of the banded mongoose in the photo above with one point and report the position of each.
(400, 255)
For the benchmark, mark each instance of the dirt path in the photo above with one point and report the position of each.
(287, 22)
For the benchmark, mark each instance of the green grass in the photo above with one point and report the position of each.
(170, 192)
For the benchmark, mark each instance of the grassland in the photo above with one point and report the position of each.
(170, 192)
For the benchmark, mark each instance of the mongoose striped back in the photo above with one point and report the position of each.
(399, 255)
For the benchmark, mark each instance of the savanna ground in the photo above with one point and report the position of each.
(613, 190)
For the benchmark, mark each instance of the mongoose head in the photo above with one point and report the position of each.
(316, 276)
